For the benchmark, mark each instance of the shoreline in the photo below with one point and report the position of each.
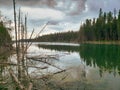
(102, 42)
(83, 42)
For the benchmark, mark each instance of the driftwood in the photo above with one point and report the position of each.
(44, 57)
(22, 65)
(5, 63)
(59, 72)
(3, 82)
(16, 80)
(19, 83)
(30, 86)
(48, 75)
(41, 60)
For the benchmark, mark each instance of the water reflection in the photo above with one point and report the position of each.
(91, 67)
(106, 57)
(68, 48)
(99, 68)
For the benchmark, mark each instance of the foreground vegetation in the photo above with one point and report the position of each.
(4, 35)
(16, 74)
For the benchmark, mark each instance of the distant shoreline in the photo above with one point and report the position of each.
(75, 42)
(101, 42)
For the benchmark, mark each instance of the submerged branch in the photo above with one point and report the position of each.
(47, 76)
(45, 62)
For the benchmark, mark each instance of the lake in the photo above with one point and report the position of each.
(87, 67)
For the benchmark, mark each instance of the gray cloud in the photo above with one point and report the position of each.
(72, 7)
(75, 10)
(106, 5)
(34, 3)
(38, 3)
(5, 3)
(53, 22)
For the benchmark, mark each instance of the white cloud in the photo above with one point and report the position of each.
(63, 15)
(64, 27)
(7, 13)
(44, 13)
(47, 30)
(71, 26)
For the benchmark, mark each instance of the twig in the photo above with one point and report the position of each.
(45, 62)
(29, 44)
(46, 76)
(38, 33)
(42, 29)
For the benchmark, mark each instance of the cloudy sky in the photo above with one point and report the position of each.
(62, 15)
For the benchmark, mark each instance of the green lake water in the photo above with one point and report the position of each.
(88, 66)
(92, 67)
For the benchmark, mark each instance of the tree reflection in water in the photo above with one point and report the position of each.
(100, 66)
(106, 57)
(33, 71)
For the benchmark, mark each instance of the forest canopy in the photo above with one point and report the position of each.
(105, 27)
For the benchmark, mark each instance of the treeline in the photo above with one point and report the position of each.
(59, 37)
(4, 35)
(105, 27)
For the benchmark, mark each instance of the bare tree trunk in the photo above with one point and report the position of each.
(14, 7)
(16, 39)
(25, 27)
(19, 61)
(19, 26)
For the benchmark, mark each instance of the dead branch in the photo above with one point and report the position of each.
(16, 80)
(3, 82)
(30, 86)
(41, 60)
(22, 65)
(42, 29)
(38, 33)
(55, 57)
(4, 63)
(29, 44)
(59, 72)
(48, 75)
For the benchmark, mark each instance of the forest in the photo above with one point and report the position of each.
(4, 35)
(69, 36)
(106, 27)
